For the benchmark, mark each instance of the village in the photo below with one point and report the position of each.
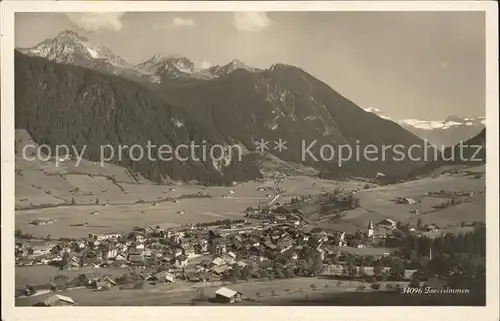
(270, 242)
(278, 239)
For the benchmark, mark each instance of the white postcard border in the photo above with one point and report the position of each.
(10, 313)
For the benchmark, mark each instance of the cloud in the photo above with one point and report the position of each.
(176, 22)
(251, 21)
(183, 22)
(91, 21)
(205, 64)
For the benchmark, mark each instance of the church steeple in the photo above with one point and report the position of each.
(370, 229)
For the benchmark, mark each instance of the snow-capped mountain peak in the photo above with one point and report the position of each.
(235, 64)
(377, 112)
(180, 67)
(72, 48)
(71, 36)
(172, 66)
(440, 132)
(451, 121)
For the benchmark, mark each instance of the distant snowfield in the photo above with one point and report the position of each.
(430, 124)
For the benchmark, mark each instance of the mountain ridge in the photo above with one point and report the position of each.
(239, 104)
(441, 133)
(71, 48)
(61, 104)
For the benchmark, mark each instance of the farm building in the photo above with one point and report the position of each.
(387, 223)
(105, 283)
(407, 200)
(208, 277)
(58, 300)
(102, 237)
(225, 295)
(38, 289)
(42, 221)
(165, 277)
(430, 228)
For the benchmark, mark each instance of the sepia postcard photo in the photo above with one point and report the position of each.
(292, 159)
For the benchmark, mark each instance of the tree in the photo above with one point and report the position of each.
(64, 260)
(317, 264)
(280, 274)
(423, 261)
(377, 270)
(352, 271)
(415, 283)
(289, 273)
(201, 295)
(247, 273)
(419, 224)
(362, 271)
(370, 260)
(29, 290)
(397, 270)
(236, 272)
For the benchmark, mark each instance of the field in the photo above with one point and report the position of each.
(122, 214)
(378, 203)
(44, 190)
(299, 291)
(182, 293)
(105, 199)
(36, 275)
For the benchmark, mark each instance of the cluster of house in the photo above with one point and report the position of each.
(166, 255)
(42, 221)
(381, 228)
(174, 249)
(444, 193)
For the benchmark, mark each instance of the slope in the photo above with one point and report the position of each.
(284, 102)
(69, 105)
(471, 153)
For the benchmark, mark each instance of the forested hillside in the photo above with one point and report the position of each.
(472, 153)
(66, 104)
(288, 103)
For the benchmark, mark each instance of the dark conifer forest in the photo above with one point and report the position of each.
(71, 105)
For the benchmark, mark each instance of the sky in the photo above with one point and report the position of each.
(422, 65)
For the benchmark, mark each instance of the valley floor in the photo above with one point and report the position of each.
(107, 200)
(298, 291)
